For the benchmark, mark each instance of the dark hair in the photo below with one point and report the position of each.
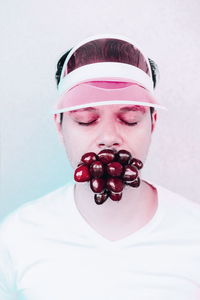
(103, 50)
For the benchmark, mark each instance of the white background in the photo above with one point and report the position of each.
(36, 33)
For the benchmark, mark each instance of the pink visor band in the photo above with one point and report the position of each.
(105, 92)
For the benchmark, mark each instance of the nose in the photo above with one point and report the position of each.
(109, 136)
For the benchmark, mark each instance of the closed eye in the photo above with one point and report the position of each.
(129, 124)
(89, 123)
(86, 124)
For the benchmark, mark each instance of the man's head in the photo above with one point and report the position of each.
(110, 125)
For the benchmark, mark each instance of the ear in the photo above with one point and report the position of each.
(59, 127)
(154, 119)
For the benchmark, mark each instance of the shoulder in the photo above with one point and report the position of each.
(179, 209)
(176, 205)
(35, 213)
(177, 200)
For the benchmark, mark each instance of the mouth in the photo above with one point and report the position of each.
(108, 172)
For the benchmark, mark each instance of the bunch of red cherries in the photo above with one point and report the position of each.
(108, 172)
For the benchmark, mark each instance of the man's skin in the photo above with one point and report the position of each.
(108, 129)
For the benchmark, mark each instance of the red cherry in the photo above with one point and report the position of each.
(134, 183)
(130, 173)
(114, 184)
(97, 169)
(114, 168)
(115, 196)
(81, 164)
(97, 185)
(136, 162)
(82, 174)
(89, 157)
(101, 198)
(123, 156)
(106, 156)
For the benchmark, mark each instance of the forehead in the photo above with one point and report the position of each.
(112, 108)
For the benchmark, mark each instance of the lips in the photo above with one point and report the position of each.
(108, 172)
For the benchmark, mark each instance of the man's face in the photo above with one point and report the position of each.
(116, 127)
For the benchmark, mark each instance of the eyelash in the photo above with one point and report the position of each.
(87, 124)
(130, 124)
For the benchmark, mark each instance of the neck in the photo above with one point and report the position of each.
(136, 206)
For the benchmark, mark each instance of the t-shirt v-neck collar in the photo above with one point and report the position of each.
(102, 241)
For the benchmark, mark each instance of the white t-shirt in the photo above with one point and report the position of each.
(48, 251)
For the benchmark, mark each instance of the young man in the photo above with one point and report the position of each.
(64, 245)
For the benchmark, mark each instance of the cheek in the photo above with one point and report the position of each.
(140, 142)
(75, 144)
(145, 143)
(72, 149)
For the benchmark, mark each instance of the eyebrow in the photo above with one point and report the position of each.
(122, 109)
(134, 108)
(83, 109)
